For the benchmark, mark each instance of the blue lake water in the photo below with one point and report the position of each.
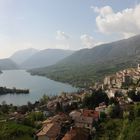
(37, 85)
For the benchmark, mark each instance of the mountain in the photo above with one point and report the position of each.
(88, 65)
(22, 55)
(7, 64)
(45, 58)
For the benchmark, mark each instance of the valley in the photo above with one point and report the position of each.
(80, 68)
(99, 93)
(69, 70)
(87, 66)
(109, 109)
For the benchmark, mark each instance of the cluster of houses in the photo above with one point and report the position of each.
(66, 101)
(78, 124)
(72, 126)
(123, 78)
(75, 123)
(121, 83)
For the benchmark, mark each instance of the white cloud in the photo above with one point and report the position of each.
(107, 10)
(60, 35)
(63, 40)
(125, 22)
(88, 41)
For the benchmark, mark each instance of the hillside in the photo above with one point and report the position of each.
(7, 64)
(89, 65)
(22, 55)
(45, 58)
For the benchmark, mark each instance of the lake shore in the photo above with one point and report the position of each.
(5, 90)
(38, 86)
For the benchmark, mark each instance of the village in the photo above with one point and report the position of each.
(76, 116)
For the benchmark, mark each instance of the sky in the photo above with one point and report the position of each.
(65, 24)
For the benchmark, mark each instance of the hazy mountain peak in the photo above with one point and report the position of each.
(45, 57)
(22, 55)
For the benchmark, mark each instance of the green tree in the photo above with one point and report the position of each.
(97, 97)
(44, 99)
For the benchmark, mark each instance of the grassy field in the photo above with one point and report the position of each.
(14, 131)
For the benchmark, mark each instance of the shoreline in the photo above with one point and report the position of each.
(5, 90)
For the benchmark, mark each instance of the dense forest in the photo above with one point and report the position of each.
(81, 75)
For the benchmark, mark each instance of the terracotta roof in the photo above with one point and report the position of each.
(47, 121)
(91, 113)
(83, 119)
(44, 130)
(50, 130)
(60, 118)
(77, 134)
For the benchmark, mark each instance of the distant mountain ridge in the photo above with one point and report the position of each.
(111, 51)
(45, 58)
(87, 65)
(20, 56)
(7, 64)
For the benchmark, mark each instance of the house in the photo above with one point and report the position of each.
(91, 113)
(84, 112)
(110, 93)
(62, 120)
(84, 122)
(84, 118)
(77, 134)
(59, 118)
(74, 114)
(49, 131)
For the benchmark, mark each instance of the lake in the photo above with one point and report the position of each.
(37, 85)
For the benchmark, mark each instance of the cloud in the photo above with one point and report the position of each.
(106, 10)
(63, 40)
(125, 22)
(88, 41)
(60, 35)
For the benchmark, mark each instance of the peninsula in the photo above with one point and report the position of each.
(5, 90)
